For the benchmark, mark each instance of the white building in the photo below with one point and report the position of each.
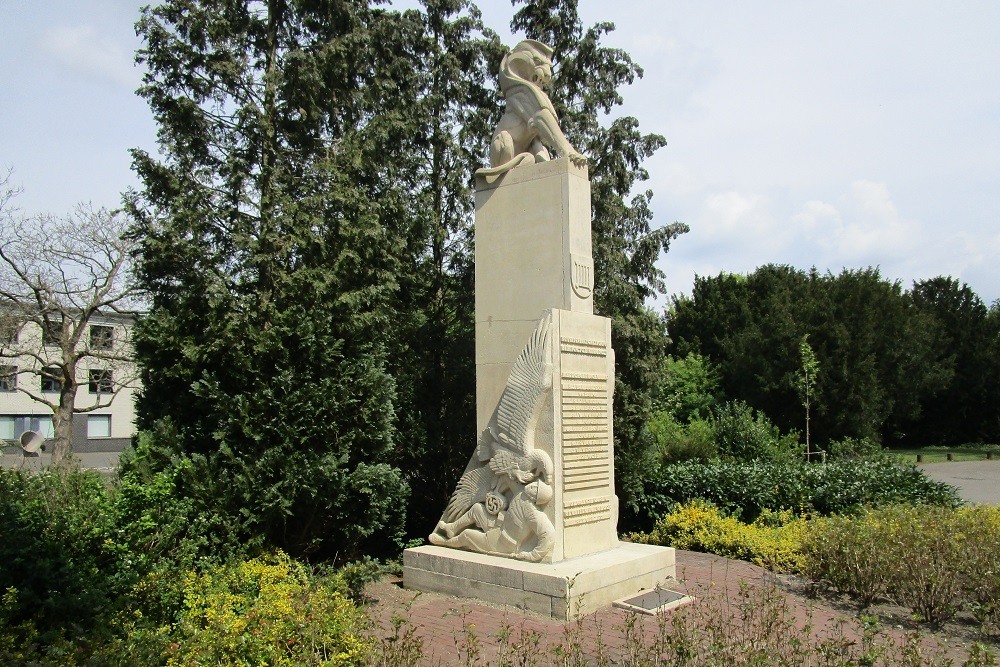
(105, 397)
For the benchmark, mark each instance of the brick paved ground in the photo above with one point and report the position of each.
(730, 589)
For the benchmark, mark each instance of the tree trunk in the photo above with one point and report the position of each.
(62, 422)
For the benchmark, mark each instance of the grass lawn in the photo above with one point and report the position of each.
(938, 454)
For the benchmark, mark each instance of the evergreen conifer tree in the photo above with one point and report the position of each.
(270, 234)
(434, 340)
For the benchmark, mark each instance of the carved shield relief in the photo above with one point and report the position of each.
(582, 276)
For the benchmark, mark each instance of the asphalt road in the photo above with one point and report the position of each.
(977, 481)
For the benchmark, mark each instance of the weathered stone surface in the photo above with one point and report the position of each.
(529, 128)
(559, 590)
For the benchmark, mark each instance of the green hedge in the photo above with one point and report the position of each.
(745, 489)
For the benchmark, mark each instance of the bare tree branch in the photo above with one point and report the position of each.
(59, 277)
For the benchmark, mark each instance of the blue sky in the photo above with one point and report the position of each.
(827, 134)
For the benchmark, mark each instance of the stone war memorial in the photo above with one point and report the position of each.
(533, 519)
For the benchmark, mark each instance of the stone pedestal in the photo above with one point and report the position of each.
(560, 590)
(534, 273)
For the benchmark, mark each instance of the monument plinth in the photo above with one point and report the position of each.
(533, 520)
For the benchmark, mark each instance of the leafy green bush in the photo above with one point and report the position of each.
(747, 489)
(78, 557)
(682, 442)
(688, 388)
(980, 565)
(854, 448)
(773, 540)
(846, 553)
(357, 575)
(58, 566)
(742, 434)
(733, 431)
(314, 501)
(935, 560)
(160, 534)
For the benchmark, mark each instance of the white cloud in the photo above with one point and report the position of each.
(816, 215)
(741, 220)
(865, 229)
(738, 231)
(83, 50)
(733, 231)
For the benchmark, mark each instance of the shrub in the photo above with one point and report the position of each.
(688, 387)
(854, 448)
(161, 534)
(58, 566)
(980, 565)
(772, 541)
(267, 611)
(284, 488)
(742, 434)
(682, 442)
(747, 489)
(933, 560)
(357, 575)
(847, 554)
(931, 545)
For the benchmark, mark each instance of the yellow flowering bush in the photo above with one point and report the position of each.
(934, 560)
(267, 611)
(773, 540)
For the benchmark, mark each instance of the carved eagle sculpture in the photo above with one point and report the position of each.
(510, 448)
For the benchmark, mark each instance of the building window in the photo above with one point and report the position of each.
(52, 379)
(8, 428)
(8, 378)
(8, 332)
(51, 333)
(12, 426)
(43, 425)
(101, 337)
(101, 381)
(98, 426)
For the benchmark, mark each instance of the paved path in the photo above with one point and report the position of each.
(733, 598)
(977, 481)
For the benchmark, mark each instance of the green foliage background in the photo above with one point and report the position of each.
(896, 366)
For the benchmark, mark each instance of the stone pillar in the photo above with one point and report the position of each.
(539, 348)
(533, 254)
(533, 257)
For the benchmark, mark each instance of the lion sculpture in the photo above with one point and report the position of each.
(529, 127)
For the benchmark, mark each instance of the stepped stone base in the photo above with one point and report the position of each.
(559, 590)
